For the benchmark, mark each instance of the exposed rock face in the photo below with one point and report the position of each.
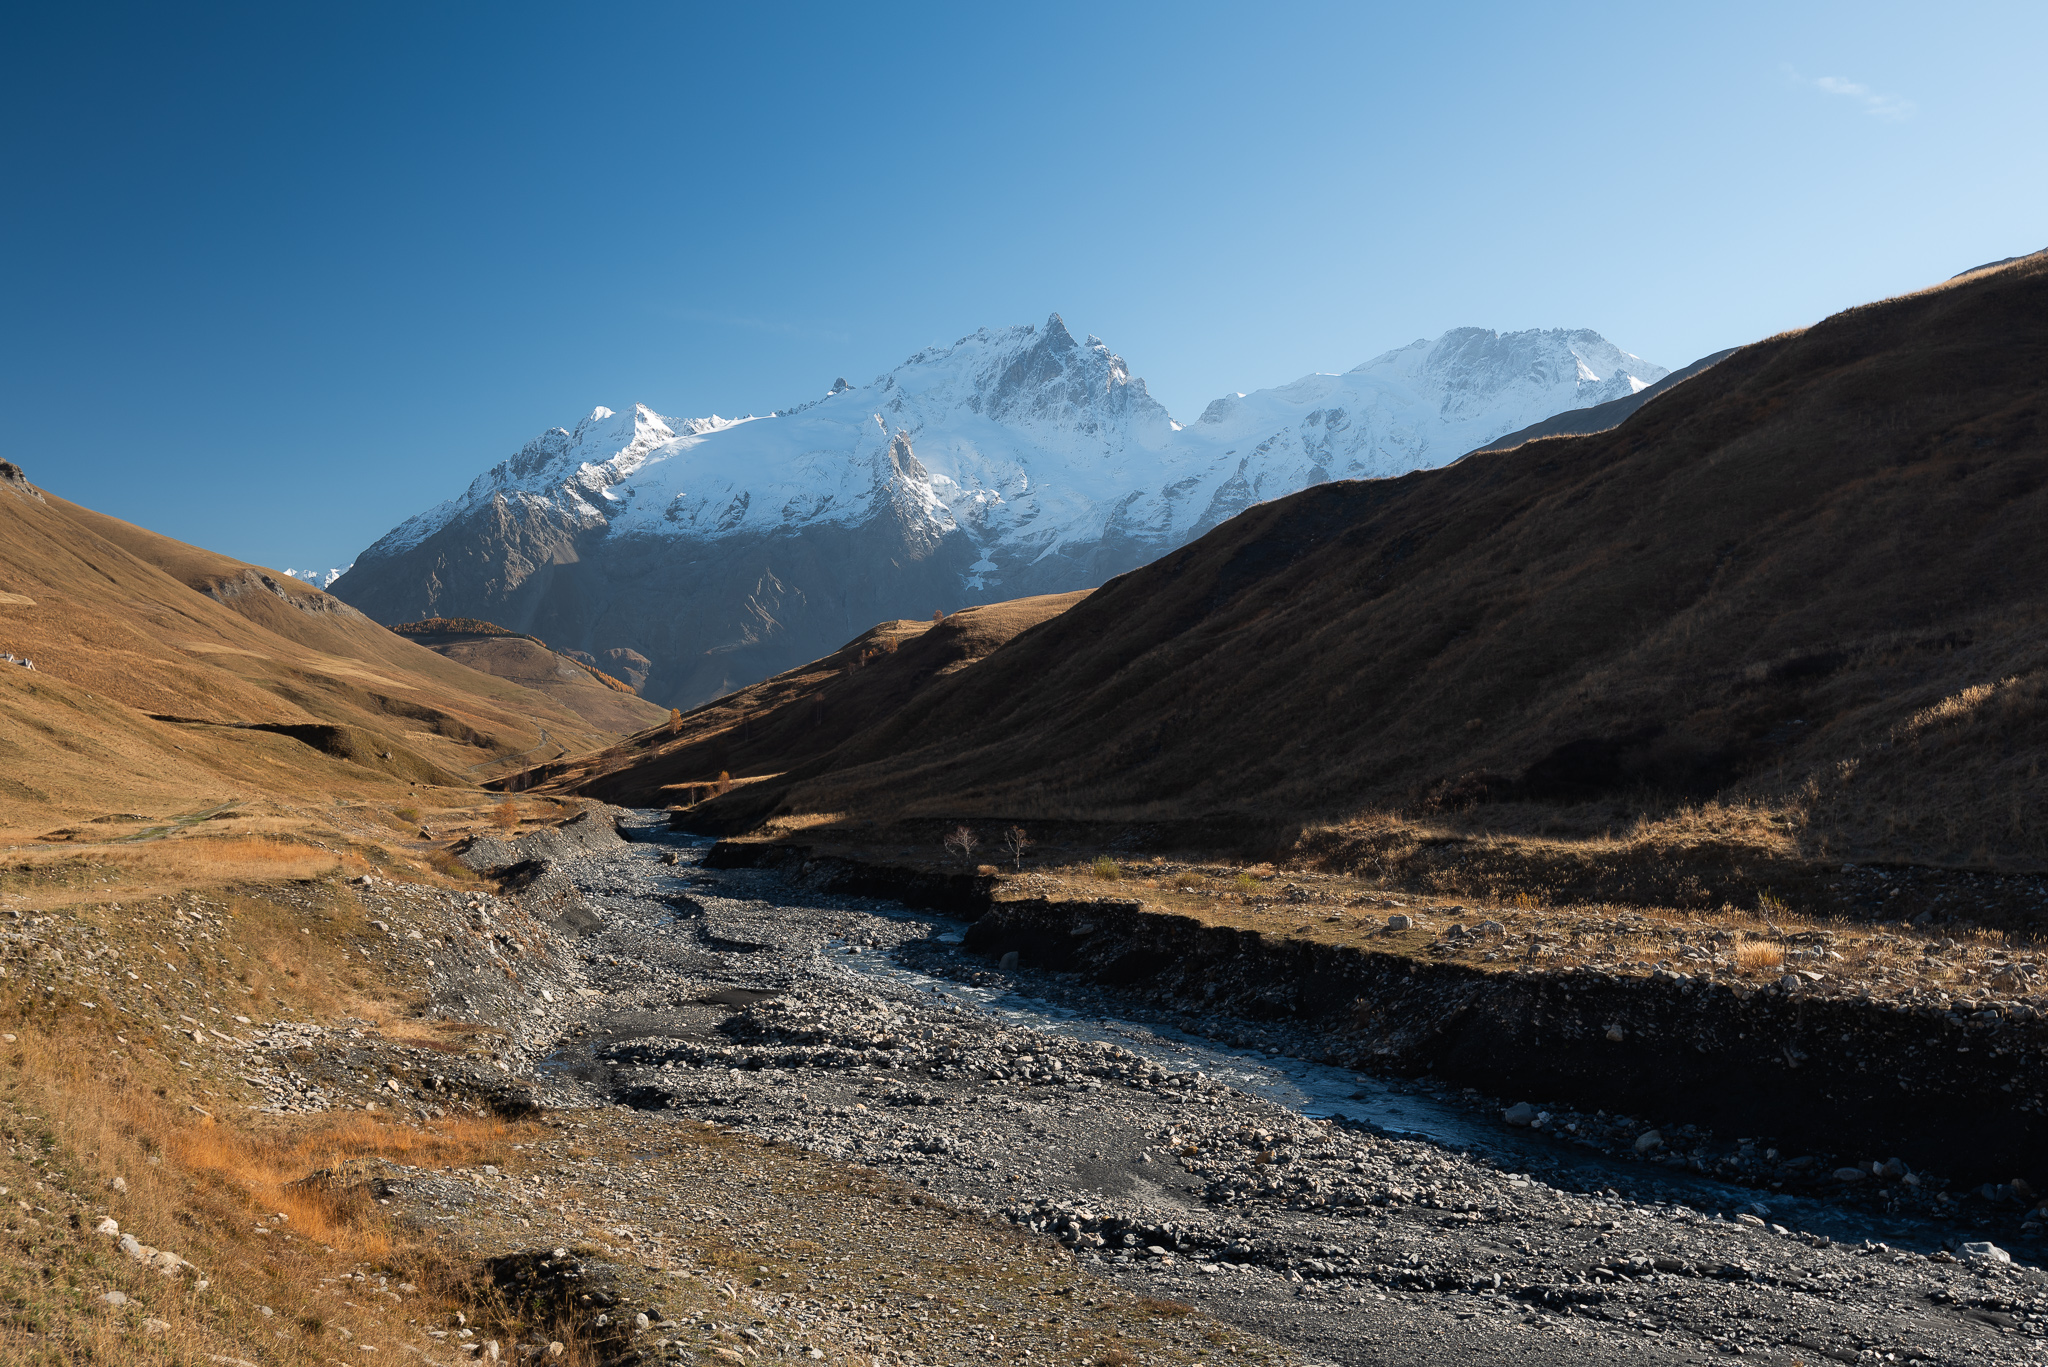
(1017, 461)
(12, 476)
(629, 665)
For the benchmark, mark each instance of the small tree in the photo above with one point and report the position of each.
(1016, 842)
(675, 720)
(938, 614)
(506, 817)
(724, 784)
(965, 842)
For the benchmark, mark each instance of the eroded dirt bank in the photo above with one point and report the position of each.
(1956, 1090)
(1841, 1076)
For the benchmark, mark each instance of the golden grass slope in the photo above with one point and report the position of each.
(800, 714)
(1812, 578)
(529, 662)
(126, 628)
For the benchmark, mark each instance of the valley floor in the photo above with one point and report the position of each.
(785, 1125)
(732, 994)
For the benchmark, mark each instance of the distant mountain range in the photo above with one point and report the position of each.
(1016, 461)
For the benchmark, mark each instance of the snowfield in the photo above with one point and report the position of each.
(1037, 446)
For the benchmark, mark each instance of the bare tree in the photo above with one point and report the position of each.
(1016, 842)
(964, 841)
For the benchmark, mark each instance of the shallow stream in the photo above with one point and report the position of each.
(1391, 1106)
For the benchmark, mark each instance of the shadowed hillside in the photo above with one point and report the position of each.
(1812, 576)
(800, 714)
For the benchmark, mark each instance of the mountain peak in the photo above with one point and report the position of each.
(1017, 460)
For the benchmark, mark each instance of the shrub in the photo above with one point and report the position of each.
(1246, 884)
(1756, 956)
(506, 816)
(1106, 869)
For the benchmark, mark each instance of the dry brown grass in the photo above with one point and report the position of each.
(798, 715)
(103, 1106)
(1759, 956)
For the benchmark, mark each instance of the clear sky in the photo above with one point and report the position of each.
(275, 277)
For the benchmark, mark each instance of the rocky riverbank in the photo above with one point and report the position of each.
(743, 998)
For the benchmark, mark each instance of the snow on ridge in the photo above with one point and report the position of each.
(320, 579)
(1037, 445)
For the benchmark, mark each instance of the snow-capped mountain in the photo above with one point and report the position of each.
(1014, 461)
(320, 579)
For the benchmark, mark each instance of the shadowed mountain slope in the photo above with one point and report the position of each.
(800, 714)
(1576, 422)
(165, 674)
(1813, 575)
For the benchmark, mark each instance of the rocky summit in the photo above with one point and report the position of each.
(1016, 461)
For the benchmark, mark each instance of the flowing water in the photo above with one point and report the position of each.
(1391, 1106)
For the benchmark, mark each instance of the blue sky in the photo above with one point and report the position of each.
(277, 277)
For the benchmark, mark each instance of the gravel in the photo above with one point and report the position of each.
(727, 996)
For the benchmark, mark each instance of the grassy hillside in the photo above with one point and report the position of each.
(801, 714)
(169, 679)
(1809, 582)
(583, 689)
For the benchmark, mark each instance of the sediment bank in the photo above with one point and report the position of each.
(1960, 1094)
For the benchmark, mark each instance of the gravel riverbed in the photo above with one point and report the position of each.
(735, 997)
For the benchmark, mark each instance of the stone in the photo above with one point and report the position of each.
(108, 1227)
(556, 1348)
(1850, 1174)
(1521, 1113)
(118, 1185)
(1649, 1141)
(157, 1326)
(1399, 922)
(640, 1321)
(1985, 1250)
(1009, 960)
(1893, 1168)
(114, 1298)
(1744, 1218)
(1615, 1034)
